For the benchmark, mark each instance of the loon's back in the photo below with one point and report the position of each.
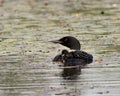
(74, 58)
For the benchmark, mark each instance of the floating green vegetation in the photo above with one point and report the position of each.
(70, 29)
(32, 26)
(105, 52)
(56, 21)
(73, 11)
(104, 33)
(110, 49)
(93, 11)
(116, 48)
(103, 9)
(59, 23)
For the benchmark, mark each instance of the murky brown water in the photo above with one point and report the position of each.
(26, 67)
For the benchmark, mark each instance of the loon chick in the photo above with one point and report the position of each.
(76, 57)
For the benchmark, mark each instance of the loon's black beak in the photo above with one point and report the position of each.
(56, 41)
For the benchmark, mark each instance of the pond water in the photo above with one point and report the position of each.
(27, 26)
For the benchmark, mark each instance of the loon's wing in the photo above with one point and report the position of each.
(83, 55)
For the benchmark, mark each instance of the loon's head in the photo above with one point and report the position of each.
(70, 42)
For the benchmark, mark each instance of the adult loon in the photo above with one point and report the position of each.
(72, 58)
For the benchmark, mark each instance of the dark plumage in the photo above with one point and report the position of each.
(76, 57)
(69, 42)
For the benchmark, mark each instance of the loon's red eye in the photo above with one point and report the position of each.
(65, 39)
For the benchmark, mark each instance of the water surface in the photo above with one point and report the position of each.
(26, 67)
